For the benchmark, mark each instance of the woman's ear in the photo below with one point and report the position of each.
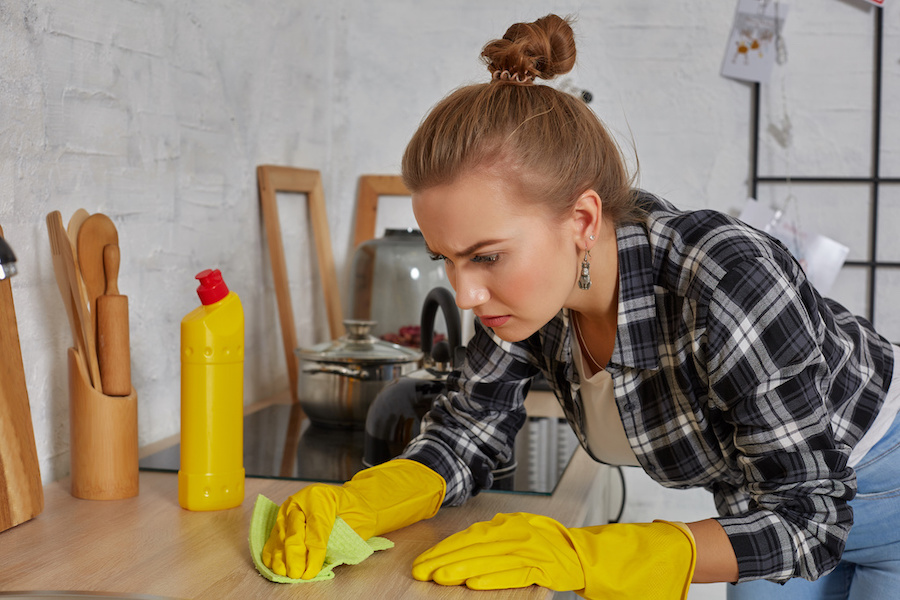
(587, 213)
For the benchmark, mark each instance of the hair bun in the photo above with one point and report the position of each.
(542, 49)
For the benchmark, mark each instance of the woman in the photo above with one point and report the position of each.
(685, 343)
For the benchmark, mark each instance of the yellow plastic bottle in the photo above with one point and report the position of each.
(211, 476)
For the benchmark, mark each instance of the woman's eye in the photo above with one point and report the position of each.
(435, 256)
(486, 258)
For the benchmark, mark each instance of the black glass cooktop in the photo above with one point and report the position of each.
(280, 443)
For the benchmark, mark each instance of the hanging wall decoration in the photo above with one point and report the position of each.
(755, 41)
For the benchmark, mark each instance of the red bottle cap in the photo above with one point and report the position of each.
(212, 287)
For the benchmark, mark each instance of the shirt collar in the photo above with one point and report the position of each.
(638, 329)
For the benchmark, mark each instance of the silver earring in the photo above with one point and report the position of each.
(584, 281)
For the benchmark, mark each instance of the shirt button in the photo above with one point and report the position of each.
(629, 406)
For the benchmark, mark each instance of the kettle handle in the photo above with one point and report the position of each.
(440, 297)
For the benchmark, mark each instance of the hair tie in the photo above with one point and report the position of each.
(505, 75)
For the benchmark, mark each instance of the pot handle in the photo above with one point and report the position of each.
(354, 373)
(441, 297)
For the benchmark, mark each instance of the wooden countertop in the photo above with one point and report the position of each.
(150, 545)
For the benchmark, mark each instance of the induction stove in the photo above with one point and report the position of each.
(280, 443)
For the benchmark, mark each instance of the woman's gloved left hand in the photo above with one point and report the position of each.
(651, 561)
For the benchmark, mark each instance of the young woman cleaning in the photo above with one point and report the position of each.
(685, 343)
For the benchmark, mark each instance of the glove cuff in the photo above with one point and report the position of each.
(651, 561)
(692, 544)
(391, 496)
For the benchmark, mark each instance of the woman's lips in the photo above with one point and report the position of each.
(494, 321)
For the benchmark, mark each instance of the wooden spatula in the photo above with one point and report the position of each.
(112, 330)
(54, 222)
(75, 222)
(69, 280)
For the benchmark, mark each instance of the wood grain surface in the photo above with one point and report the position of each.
(150, 545)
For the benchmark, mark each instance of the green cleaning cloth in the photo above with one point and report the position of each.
(345, 547)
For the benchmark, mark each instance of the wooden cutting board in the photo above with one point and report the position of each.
(21, 492)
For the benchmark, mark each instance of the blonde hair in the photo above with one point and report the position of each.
(548, 141)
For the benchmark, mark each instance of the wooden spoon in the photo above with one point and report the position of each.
(95, 233)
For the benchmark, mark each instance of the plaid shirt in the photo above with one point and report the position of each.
(730, 371)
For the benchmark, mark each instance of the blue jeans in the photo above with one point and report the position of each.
(870, 566)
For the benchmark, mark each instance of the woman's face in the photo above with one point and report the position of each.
(510, 261)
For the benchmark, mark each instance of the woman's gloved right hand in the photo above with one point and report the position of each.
(375, 501)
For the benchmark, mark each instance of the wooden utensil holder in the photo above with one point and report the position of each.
(104, 438)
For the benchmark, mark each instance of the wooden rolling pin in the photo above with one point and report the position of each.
(112, 330)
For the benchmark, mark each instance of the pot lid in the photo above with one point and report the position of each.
(358, 346)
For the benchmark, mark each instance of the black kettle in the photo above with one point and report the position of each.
(396, 413)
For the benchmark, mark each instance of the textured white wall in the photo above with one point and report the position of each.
(157, 113)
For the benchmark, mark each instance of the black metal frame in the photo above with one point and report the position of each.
(874, 179)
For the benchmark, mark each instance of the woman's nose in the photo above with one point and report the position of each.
(470, 293)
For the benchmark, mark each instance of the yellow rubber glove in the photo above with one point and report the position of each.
(375, 501)
(650, 561)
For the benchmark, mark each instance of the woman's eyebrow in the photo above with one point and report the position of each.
(470, 250)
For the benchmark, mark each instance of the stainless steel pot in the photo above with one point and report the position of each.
(338, 380)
